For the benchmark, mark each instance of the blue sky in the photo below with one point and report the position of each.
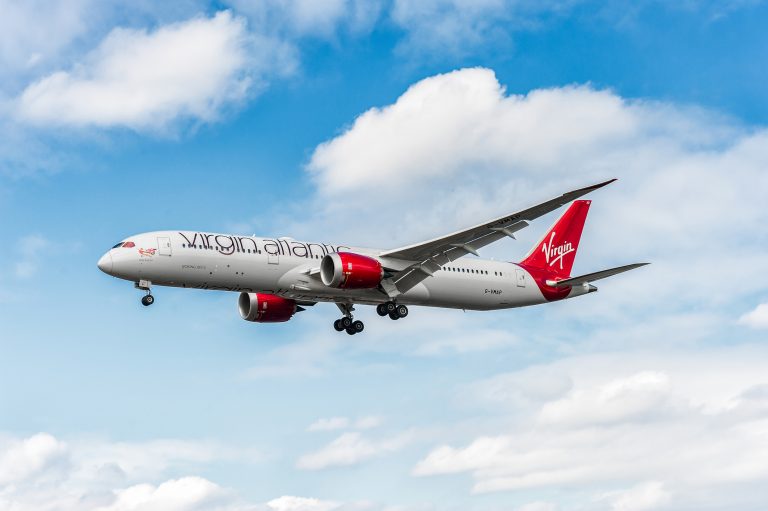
(383, 123)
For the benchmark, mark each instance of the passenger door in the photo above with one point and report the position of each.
(164, 246)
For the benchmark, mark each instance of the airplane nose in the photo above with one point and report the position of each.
(105, 263)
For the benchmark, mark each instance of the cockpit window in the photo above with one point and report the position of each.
(118, 245)
(129, 244)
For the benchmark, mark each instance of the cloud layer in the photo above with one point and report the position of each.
(663, 435)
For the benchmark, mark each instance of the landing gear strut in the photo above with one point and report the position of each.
(347, 323)
(147, 299)
(392, 310)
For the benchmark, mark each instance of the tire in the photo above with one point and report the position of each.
(393, 315)
(346, 322)
(381, 309)
(390, 307)
(337, 325)
(358, 326)
(402, 311)
(147, 300)
(350, 330)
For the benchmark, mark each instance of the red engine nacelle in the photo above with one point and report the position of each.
(265, 308)
(346, 270)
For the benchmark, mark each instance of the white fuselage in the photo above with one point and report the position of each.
(288, 268)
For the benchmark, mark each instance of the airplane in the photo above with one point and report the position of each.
(278, 277)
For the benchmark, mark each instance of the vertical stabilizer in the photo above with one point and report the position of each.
(556, 251)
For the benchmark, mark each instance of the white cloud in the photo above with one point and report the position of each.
(538, 506)
(42, 473)
(319, 18)
(756, 318)
(184, 494)
(350, 449)
(147, 80)
(642, 497)
(26, 459)
(291, 503)
(33, 31)
(329, 424)
(629, 398)
(712, 441)
(336, 423)
(462, 26)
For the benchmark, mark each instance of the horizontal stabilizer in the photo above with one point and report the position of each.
(591, 277)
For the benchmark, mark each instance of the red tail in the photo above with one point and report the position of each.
(556, 251)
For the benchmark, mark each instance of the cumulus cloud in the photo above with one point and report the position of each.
(146, 80)
(456, 149)
(756, 318)
(43, 473)
(184, 494)
(350, 449)
(28, 458)
(710, 443)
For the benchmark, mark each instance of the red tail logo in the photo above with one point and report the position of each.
(556, 251)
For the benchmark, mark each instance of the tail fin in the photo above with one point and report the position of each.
(556, 251)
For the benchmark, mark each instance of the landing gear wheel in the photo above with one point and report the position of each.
(346, 322)
(358, 326)
(381, 309)
(390, 307)
(393, 315)
(147, 300)
(351, 331)
(338, 326)
(402, 311)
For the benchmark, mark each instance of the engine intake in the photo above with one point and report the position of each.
(346, 270)
(265, 308)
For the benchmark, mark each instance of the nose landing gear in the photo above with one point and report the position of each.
(147, 299)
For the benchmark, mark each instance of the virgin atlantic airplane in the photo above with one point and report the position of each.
(278, 277)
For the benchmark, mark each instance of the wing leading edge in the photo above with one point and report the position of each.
(432, 255)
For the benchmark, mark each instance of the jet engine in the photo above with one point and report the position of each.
(346, 270)
(265, 308)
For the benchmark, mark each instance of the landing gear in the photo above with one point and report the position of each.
(386, 308)
(347, 323)
(147, 299)
(355, 328)
(392, 310)
(342, 324)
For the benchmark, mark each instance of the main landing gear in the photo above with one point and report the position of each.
(348, 323)
(147, 299)
(392, 310)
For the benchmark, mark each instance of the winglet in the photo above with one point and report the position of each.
(598, 185)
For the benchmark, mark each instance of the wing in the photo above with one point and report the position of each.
(431, 255)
